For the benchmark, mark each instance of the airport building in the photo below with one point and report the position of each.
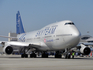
(12, 35)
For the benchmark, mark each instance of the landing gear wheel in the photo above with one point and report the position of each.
(33, 55)
(44, 55)
(66, 56)
(69, 56)
(24, 56)
(58, 56)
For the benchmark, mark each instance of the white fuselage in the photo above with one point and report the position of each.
(56, 36)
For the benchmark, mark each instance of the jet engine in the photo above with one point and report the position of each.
(85, 50)
(8, 49)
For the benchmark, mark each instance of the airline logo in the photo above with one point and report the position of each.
(22, 38)
(19, 25)
(50, 40)
(47, 30)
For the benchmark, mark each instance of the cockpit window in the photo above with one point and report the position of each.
(69, 23)
(85, 38)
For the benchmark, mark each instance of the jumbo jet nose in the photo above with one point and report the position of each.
(76, 33)
(76, 36)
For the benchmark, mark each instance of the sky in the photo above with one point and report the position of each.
(36, 14)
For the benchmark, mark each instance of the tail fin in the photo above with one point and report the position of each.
(19, 25)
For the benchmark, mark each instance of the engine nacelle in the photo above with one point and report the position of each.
(8, 50)
(85, 50)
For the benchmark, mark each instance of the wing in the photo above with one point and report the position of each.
(85, 43)
(9, 46)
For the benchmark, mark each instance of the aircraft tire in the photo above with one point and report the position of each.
(33, 55)
(30, 55)
(66, 56)
(22, 55)
(57, 56)
(69, 56)
(44, 55)
(26, 55)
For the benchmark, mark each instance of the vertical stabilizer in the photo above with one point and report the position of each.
(19, 25)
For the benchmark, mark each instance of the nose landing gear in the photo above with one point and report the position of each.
(68, 54)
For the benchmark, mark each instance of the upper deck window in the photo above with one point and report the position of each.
(69, 23)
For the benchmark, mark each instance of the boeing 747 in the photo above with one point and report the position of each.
(59, 36)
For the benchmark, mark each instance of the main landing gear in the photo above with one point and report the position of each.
(33, 55)
(24, 55)
(44, 55)
(58, 55)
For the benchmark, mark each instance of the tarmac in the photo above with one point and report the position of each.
(15, 62)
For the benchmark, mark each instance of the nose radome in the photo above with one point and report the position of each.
(76, 35)
(75, 38)
(76, 32)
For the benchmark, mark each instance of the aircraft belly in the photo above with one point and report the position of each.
(58, 43)
(50, 45)
(44, 48)
(62, 43)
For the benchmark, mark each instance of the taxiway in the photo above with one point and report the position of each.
(15, 62)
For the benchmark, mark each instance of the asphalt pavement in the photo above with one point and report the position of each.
(15, 62)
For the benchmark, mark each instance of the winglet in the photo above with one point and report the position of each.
(19, 25)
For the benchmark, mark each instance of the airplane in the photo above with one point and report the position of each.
(59, 36)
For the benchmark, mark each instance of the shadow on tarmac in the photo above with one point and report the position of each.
(19, 57)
